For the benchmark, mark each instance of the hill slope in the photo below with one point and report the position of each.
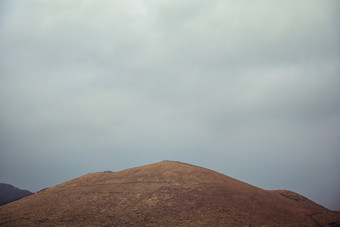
(164, 194)
(9, 193)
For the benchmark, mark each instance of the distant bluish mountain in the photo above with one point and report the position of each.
(9, 193)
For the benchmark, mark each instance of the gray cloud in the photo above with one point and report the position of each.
(248, 89)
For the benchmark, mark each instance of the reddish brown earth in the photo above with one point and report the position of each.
(164, 194)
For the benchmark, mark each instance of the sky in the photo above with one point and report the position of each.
(246, 88)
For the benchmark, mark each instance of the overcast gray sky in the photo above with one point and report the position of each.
(246, 88)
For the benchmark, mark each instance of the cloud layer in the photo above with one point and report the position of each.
(248, 89)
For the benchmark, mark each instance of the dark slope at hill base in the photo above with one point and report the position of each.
(9, 193)
(164, 194)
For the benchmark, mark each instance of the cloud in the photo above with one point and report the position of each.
(238, 87)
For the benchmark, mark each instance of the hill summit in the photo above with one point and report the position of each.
(164, 194)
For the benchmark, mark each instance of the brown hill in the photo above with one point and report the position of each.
(164, 194)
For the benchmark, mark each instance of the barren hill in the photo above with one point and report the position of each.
(164, 194)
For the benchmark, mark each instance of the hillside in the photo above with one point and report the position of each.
(9, 193)
(164, 194)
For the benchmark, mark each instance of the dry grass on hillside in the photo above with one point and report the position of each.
(164, 194)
